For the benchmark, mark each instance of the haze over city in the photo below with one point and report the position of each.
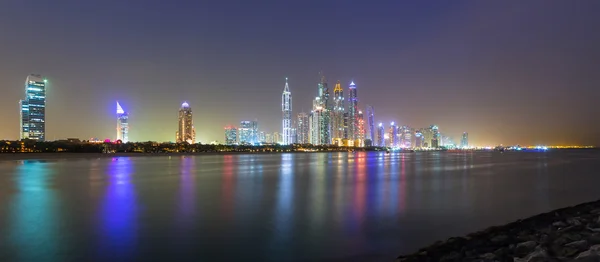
(506, 72)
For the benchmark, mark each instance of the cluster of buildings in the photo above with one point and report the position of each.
(335, 119)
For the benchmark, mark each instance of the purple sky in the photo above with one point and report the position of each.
(504, 71)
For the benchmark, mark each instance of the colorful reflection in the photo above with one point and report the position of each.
(228, 186)
(119, 213)
(187, 192)
(35, 224)
(284, 210)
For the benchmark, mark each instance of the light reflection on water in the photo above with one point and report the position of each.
(274, 207)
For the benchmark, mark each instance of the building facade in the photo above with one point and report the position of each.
(352, 112)
(231, 135)
(186, 132)
(464, 141)
(337, 113)
(393, 135)
(122, 124)
(286, 108)
(302, 128)
(371, 123)
(248, 132)
(33, 109)
(380, 135)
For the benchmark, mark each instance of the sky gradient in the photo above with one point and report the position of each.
(505, 71)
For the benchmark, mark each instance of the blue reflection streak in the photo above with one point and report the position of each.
(34, 224)
(285, 206)
(119, 213)
(187, 195)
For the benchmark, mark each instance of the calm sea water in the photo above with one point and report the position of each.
(275, 207)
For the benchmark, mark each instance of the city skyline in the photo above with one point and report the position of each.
(460, 65)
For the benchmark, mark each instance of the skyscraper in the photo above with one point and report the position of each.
(33, 109)
(359, 142)
(186, 131)
(337, 117)
(380, 135)
(286, 108)
(435, 140)
(464, 141)
(325, 117)
(122, 124)
(303, 128)
(352, 113)
(248, 132)
(371, 122)
(230, 135)
(419, 139)
(393, 134)
(315, 123)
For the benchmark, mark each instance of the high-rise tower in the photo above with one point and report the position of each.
(186, 131)
(325, 118)
(393, 134)
(380, 135)
(286, 108)
(360, 141)
(464, 141)
(33, 109)
(352, 113)
(122, 124)
(337, 117)
(302, 128)
(371, 122)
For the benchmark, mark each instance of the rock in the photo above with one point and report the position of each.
(581, 244)
(587, 256)
(453, 256)
(525, 248)
(499, 239)
(559, 224)
(567, 251)
(574, 221)
(595, 211)
(535, 256)
(595, 248)
(594, 238)
(488, 256)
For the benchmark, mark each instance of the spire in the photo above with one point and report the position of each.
(120, 109)
(338, 87)
(323, 80)
(286, 88)
(352, 85)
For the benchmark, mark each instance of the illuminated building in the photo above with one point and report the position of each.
(464, 141)
(248, 132)
(371, 122)
(393, 135)
(262, 137)
(276, 138)
(122, 124)
(337, 117)
(352, 112)
(231, 135)
(419, 139)
(33, 109)
(286, 108)
(294, 136)
(380, 135)
(406, 137)
(359, 142)
(186, 132)
(325, 112)
(302, 128)
(435, 136)
(268, 138)
(315, 123)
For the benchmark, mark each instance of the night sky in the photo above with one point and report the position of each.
(505, 71)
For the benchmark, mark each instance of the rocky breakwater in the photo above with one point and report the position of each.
(568, 234)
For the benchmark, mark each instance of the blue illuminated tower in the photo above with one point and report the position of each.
(380, 135)
(33, 109)
(122, 124)
(286, 108)
(371, 123)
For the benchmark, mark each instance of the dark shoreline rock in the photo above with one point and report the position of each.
(566, 234)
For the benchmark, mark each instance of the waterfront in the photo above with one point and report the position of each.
(275, 207)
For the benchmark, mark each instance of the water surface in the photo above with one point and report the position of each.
(275, 207)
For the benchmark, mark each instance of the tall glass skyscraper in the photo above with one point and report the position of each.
(325, 114)
(352, 113)
(186, 131)
(380, 135)
(393, 134)
(303, 128)
(337, 117)
(371, 122)
(286, 108)
(464, 141)
(248, 132)
(231, 135)
(33, 109)
(122, 124)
